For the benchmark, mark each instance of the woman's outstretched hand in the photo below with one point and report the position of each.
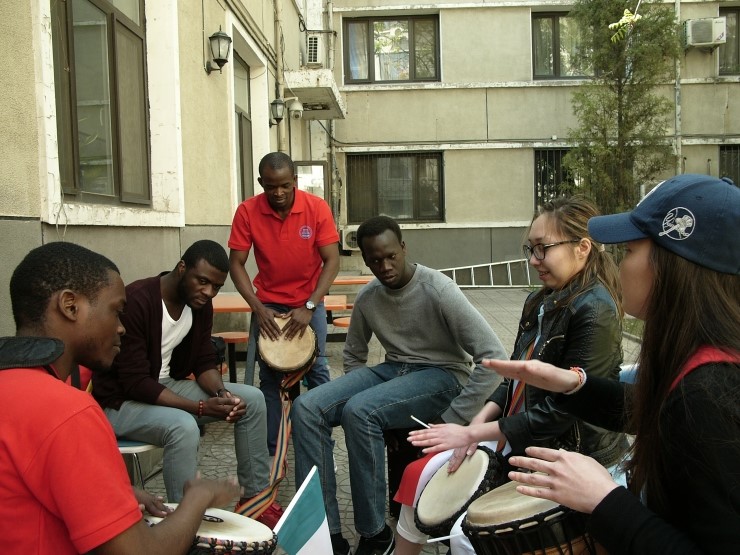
(565, 477)
(535, 372)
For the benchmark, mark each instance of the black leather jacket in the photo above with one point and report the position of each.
(585, 331)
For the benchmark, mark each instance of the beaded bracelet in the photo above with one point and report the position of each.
(200, 408)
(581, 379)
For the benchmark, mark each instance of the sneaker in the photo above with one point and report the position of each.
(380, 544)
(271, 515)
(339, 545)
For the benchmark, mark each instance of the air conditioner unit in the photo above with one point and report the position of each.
(349, 238)
(705, 33)
(314, 50)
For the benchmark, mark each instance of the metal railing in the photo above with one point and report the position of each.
(510, 273)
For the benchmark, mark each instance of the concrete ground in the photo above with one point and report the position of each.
(500, 307)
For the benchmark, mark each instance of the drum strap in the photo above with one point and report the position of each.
(258, 504)
(517, 397)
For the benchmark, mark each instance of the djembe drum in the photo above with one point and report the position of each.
(505, 522)
(287, 356)
(446, 496)
(228, 533)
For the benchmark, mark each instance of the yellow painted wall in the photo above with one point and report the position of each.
(489, 185)
(19, 147)
(206, 112)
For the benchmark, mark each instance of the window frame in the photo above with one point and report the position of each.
(735, 42)
(555, 17)
(369, 21)
(66, 102)
(373, 181)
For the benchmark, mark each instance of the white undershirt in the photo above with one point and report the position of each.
(173, 332)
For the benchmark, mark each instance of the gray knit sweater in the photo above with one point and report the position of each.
(429, 320)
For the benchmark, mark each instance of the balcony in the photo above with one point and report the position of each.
(317, 91)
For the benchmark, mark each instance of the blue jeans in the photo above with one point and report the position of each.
(270, 379)
(177, 432)
(365, 401)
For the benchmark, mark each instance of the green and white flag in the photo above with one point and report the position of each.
(303, 529)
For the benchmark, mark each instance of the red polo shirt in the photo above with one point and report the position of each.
(286, 251)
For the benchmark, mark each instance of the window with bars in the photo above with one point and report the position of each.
(391, 49)
(101, 99)
(551, 178)
(556, 44)
(729, 162)
(405, 186)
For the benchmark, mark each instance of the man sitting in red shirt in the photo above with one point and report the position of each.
(63, 484)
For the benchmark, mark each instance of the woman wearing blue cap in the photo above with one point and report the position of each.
(681, 276)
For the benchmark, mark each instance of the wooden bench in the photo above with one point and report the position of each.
(232, 338)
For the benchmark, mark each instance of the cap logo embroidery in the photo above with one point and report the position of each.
(678, 224)
(305, 232)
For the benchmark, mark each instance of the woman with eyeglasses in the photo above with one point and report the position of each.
(573, 319)
(681, 275)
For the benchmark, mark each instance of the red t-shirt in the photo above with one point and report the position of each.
(286, 251)
(63, 484)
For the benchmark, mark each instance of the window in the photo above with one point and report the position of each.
(387, 50)
(406, 186)
(729, 162)
(556, 43)
(243, 121)
(312, 177)
(729, 53)
(551, 178)
(100, 86)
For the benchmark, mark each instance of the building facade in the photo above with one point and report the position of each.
(440, 114)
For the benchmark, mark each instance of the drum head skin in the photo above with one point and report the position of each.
(503, 505)
(446, 493)
(288, 356)
(227, 532)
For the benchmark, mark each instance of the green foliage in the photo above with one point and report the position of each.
(624, 113)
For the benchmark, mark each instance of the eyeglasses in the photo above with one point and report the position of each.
(539, 250)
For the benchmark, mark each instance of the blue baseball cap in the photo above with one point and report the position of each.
(694, 216)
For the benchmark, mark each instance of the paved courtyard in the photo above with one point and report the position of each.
(500, 307)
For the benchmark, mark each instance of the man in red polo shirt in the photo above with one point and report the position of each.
(295, 247)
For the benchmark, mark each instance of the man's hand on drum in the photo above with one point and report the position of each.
(299, 319)
(221, 492)
(227, 407)
(535, 372)
(441, 437)
(565, 477)
(153, 504)
(266, 320)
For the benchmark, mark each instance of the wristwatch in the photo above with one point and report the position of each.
(310, 305)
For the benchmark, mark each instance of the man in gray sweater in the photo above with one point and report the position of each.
(434, 341)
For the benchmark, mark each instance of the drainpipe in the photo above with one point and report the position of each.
(279, 74)
(678, 131)
(334, 172)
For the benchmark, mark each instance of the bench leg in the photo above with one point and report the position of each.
(231, 349)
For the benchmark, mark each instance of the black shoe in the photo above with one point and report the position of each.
(339, 545)
(380, 544)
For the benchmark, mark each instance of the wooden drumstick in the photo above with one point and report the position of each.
(419, 421)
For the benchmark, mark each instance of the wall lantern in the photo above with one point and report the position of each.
(220, 48)
(277, 111)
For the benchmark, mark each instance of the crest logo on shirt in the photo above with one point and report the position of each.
(305, 232)
(678, 224)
